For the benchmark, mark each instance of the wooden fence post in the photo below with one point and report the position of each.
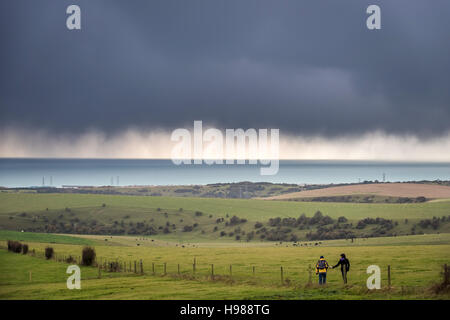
(212, 271)
(310, 274)
(165, 268)
(142, 267)
(389, 276)
(281, 269)
(253, 270)
(193, 268)
(446, 276)
(178, 269)
(99, 272)
(30, 276)
(135, 271)
(153, 268)
(231, 271)
(195, 264)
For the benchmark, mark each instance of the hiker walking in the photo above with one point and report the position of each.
(321, 270)
(345, 267)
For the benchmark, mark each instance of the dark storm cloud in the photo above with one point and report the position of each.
(307, 67)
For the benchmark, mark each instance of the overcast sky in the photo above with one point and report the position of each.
(309, 68)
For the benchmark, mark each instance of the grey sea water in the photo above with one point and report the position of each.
(123, 172)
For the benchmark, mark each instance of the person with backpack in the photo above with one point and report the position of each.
(345, 267)
(321, 270)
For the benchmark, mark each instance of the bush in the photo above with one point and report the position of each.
(49, 253)
(71, 259)
(14, 246)
(25, 249)
(342, 219)
(88, 256)
(235, 220)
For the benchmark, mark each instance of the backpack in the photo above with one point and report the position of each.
(321, 264)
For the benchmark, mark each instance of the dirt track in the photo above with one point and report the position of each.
(411, 190)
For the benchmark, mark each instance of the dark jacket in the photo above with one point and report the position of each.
(344, 262)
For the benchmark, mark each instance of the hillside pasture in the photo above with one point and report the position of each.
(414, 269)
(12, 204)
(410, 190)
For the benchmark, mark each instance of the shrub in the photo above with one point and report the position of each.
(88, 256)
(198, 213)
(71, 259)
(25, 249)
(235, 220)
(14, 246)
(342, 219)
(49, 253)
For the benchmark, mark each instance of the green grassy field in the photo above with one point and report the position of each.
(251, 209)
(414, 269)
(415, 261)
(43, 237)
(168, 217)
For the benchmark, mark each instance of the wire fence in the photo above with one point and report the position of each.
(230, 273)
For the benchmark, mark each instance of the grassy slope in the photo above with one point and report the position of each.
(414, 266)
(415, 269)
(43, 237)
(250, 209)
(163, 241)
